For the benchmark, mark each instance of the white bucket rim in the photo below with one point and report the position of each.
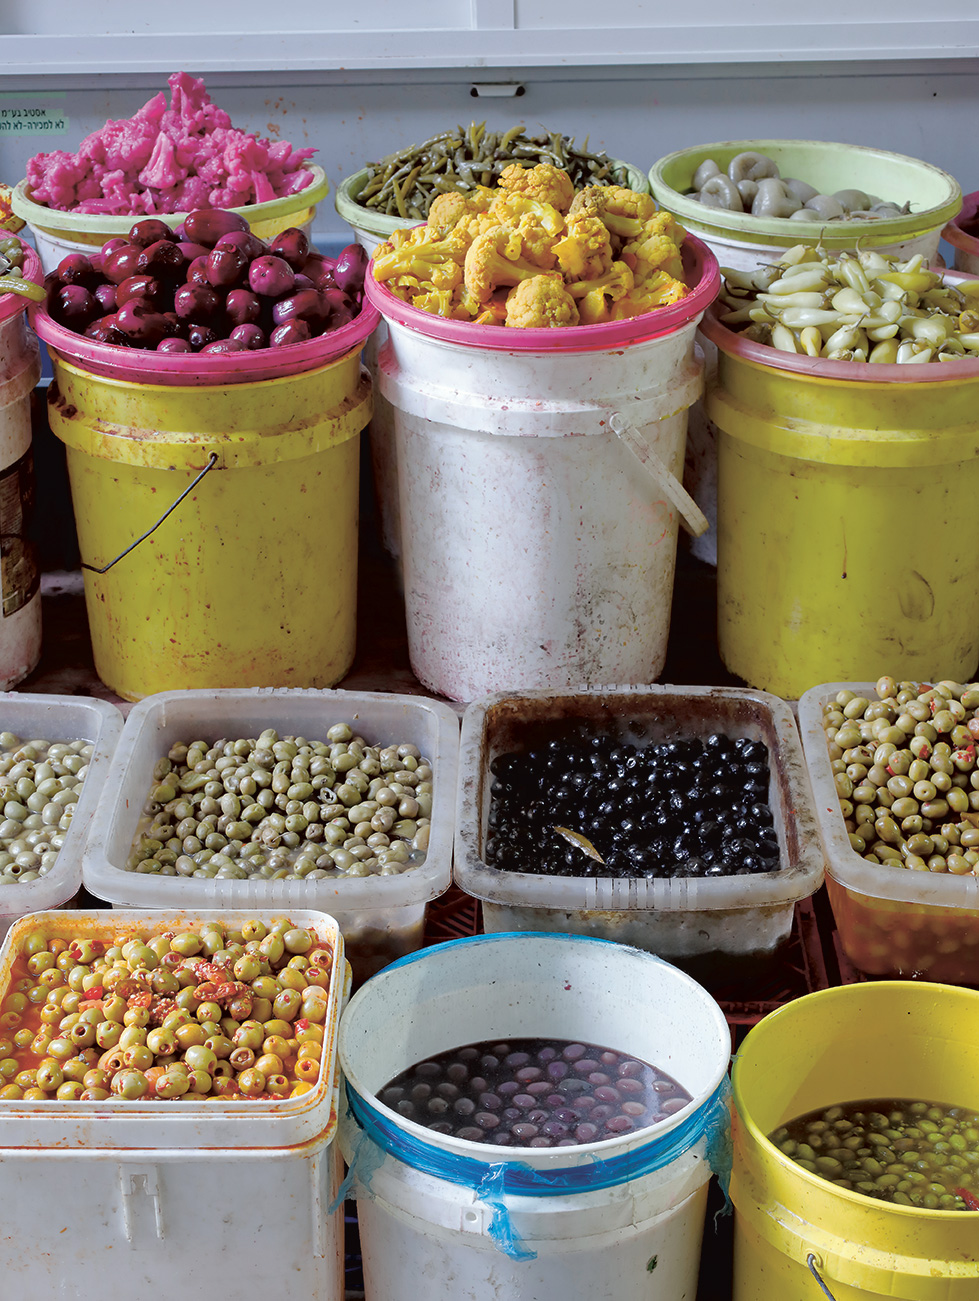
(554, 1160)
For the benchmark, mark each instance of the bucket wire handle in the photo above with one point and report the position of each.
(811, 1262)
(694, 519)
(212, 460)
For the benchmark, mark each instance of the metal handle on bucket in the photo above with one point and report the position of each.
(811, 1262)
(694, 519)
(212, 461)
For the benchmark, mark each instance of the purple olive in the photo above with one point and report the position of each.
(121, 263)
(141, 322)
(250, 244)
(225, 266)
(242, 307)
(173, 344)
(111, 245)
(76, 307)
(198, 303)
(105, 330)
(197, 272)
(106, 295)
(149, 231)
(306, 305)
(293, 246)
(351, 267)
(191, 250)
(207, 225)
(200, 335)
(77, 269)
(222, 346)
(290, 332)
(161, 258)
(271, 276)
(139, 286)
(252, 336)
(320, 270)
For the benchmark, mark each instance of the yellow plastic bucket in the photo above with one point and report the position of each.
(890, 1039)
(250, 581)
(847, 533)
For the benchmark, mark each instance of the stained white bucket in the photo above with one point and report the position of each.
(20, 591)
(618, 1220)
(538, 551)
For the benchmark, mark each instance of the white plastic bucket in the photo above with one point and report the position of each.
(20, 586)
(537, 551)
(618, 1220)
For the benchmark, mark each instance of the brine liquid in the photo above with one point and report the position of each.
(898, 1150)
(534, 1093)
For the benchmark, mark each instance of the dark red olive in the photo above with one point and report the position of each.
(161, 258)
(250, 244)
(122, 263)
(242, 307)
(221, 346)
(207, 225)
(197, 272)
(105, 330)
(106, 295)
(191, 251)
(76, 307)
(111, 245)
(139, 286)
(271, 276)
(293, 246)
(77, 269)
(320, 270)
(252, 336)
(225, 267)
(173, 344)
(306, 305)
(149, 231)
(198, 303)
(200, 335)
(141, 322)
(290, 332)
(351, 267)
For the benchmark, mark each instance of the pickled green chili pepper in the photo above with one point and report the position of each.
(17, 285)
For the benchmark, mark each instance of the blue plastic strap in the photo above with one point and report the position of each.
(493, 1182)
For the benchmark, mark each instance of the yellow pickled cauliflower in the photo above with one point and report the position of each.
(493, 260)
(592, 295)
(448, 210)
(585, 251)
(545, 183)
(540, 303)
(622, 211)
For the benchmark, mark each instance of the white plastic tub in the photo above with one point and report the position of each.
(722, 930)
(60, 718)
(381, 917)
(115, 1198)
(891, 921)
(616, 1220)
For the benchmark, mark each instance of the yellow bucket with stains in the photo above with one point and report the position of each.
(798, 1237)
(847, 529)
(250, 580)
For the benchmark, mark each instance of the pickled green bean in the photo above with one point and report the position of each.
(461, 160)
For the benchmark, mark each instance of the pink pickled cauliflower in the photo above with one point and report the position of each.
(171, 159)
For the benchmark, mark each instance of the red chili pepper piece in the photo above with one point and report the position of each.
(970, 1199)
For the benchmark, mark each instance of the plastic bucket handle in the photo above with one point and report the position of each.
(694, 519)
